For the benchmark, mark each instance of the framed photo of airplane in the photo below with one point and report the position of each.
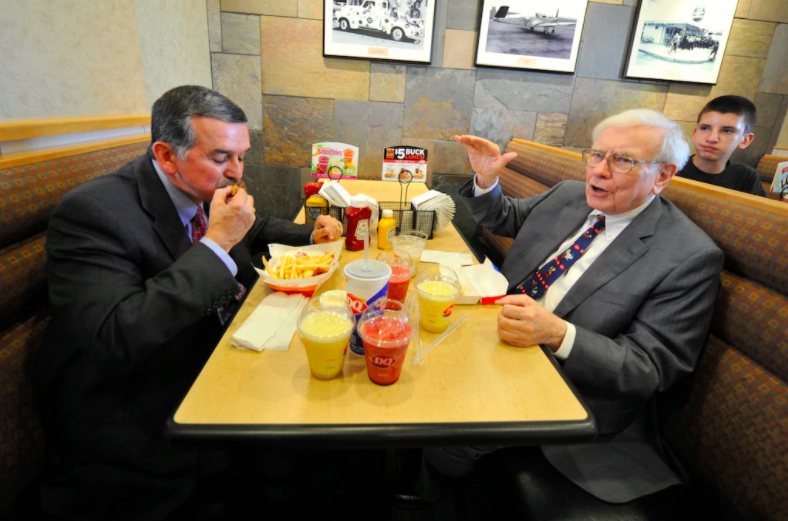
(680, 40)
(524, 34)
(397, 30)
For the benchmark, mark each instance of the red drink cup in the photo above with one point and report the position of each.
(322, 164)
(399, 282)
(386, 335)
(402, 270)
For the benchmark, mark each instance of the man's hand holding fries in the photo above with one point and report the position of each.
(300, 265)
(327, 229)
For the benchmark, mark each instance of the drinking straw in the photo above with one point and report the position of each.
(366, 247)
(443, 335)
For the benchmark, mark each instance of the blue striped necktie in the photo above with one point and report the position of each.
(539, 282)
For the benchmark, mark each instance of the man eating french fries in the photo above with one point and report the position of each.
(145, 266)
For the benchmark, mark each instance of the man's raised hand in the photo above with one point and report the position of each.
(485, 157)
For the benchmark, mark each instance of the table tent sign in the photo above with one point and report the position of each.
(409, 160)
(334, 161)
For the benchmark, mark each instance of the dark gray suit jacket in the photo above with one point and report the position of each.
(642, 312)
(134, 318)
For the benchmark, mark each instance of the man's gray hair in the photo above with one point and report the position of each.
(674, 150)
(172, 113)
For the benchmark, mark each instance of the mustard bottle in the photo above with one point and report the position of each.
(387, 227)
(314, 208)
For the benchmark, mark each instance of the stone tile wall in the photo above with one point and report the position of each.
(267, 55)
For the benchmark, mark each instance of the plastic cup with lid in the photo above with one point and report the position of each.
(402, 270)
(386, 331)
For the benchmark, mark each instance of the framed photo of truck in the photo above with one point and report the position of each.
(397, 30)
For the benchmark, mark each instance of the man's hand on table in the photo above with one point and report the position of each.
(327, 229)
(485, 157)
(522, 323)
(231, 217)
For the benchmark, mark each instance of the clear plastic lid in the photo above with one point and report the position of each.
(398, 257)
(325, 321)
(359, 201)
(371, 269)
(386, 325)
(441, 276)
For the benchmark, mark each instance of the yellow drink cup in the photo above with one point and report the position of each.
(325, 331)
(437, 291)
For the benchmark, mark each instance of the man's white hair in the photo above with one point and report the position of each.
(674, 150)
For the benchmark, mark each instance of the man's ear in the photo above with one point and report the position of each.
(165, 157)
(748, 137)
(665, 174)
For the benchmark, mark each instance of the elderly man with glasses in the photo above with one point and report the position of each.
(617, 283)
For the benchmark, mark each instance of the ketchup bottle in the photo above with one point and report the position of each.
(357, 217)
(311, 189)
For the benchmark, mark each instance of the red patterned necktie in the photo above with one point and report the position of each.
(199, 227)
(539, 282)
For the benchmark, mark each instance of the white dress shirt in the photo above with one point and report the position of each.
(614, 225)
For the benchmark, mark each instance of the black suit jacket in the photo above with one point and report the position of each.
(134, 318)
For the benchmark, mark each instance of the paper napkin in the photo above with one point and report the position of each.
(272, 324)
(442, 204)
(447, 257)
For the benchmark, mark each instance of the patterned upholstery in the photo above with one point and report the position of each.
(30, 192)
(515, 184)
(754, 241)
(21, 436)
(733, 432)
(754, 318)
(546, 165)
(22, 278)
(767, 165)
(500, 244)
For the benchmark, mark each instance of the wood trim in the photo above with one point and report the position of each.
(569, 153)
(780, 148)
(752, 201)
(26, 128)
(45, 154)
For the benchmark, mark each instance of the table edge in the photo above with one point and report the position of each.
(389, 435)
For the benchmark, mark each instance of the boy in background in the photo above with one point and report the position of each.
(724, 125)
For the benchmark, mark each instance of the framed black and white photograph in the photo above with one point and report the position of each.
(681, 40)
(398, 30)
(531, 34)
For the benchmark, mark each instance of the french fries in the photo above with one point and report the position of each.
(299, 265)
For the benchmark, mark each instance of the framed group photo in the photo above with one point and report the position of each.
(680, 40)
(397, 30)
(531, 34)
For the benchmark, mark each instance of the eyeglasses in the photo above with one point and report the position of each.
(615, 162)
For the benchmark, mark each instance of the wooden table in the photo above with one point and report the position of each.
(472, 389)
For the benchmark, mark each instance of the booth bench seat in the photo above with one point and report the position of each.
(32, 183)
